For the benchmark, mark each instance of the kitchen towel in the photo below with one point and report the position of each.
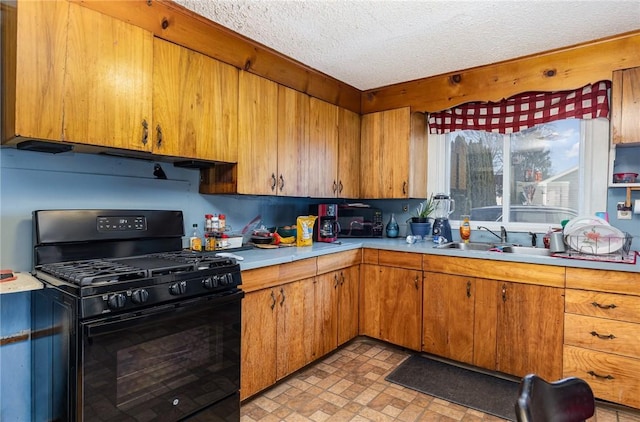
(486, 393)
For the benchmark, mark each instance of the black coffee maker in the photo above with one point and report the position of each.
(443, 207)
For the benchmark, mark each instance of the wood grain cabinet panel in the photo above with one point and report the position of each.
(195, 105)
(393, 155)
(348, 154)
(110, 105)
(625, 106)
(34, 43)
(322, 162)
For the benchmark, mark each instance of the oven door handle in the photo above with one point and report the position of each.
(124, 321)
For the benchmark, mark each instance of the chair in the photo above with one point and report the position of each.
(566, 400)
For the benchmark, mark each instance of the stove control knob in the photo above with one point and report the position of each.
(227, 279)
(139, 296)
(210, 282)
(117, 301)
(177, 289)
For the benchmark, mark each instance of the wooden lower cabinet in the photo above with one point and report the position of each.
(336, 309)
(602, 332)
(497, 324)
(391, 304)
(460, 318)
(277, 334)
(529, 330)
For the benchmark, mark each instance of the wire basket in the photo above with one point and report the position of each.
(592, 244)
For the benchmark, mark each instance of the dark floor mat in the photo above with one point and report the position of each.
(486, 393)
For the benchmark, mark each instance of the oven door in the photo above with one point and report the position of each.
(162, 364)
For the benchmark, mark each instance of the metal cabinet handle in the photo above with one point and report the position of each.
(597, 305)
(606, 377)
(602, 336)
(415, 283)
(335, 281)
(504, 292)
(159, 132)
(341, 278)
(283, 296)
(404, 188)
(273, 300)
(340, 187)
(273, 181)
(335, 187)
(468, 289)
(281, 183)
(145, 132)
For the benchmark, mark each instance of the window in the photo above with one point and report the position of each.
(526, 180)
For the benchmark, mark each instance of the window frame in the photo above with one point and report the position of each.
(593, 173)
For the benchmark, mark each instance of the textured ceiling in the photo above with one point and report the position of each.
(370, 44)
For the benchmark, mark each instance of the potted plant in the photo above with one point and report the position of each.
(423, 210)
(419, 222)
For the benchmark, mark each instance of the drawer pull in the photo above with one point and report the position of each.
(597, 305)
(602, 336)
(606, 377)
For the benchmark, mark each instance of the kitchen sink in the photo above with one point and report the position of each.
(482, 246)
(526, 250)
(471, 246)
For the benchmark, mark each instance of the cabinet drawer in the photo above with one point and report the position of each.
(275, 275)
(407, 260)
(614, 378)
(542, 275)
(605, 305)
(604, 281)
(337, 261)
(605, 335)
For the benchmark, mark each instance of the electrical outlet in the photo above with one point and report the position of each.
(624, 213)
(405, 207)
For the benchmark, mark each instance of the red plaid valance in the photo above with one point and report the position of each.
(524, 110)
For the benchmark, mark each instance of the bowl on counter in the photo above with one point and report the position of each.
(624, 177)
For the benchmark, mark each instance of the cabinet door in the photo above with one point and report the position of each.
(449, 310)
(530, 330)
(108, 81)
(258, 366)
(370, 300)
(348, 154)
(625, 106)
(326, 331)
(348, 304)
(195, 104)
(401, 307)
(34, 82)
(372, 178)
(292, 153)
(295, 331)
(322, 164)
(257, 135)
(395, 153)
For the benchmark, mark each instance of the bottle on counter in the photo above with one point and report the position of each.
(222, 222)
(215, 223)
(195, 240)
(392, 227)
(208, 223)
(465, 229)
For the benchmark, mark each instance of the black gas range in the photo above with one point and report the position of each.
(130, 325)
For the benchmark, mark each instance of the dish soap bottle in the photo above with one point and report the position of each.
(465, 229)
(392, 227)
(195, 241)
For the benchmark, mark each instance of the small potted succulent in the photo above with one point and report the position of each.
(419, 222)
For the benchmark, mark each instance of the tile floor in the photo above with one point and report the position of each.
(349, 385)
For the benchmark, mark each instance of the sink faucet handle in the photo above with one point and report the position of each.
(503, 234)
(534, 239)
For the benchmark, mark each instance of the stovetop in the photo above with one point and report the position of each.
(100, 271)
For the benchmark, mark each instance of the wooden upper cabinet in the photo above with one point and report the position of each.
(322, 164)
(348, 154)
(108, 81)
(195, 105)
(625, 106)
(257, 135)
(292, 154)
(34, 40)
(394, 155)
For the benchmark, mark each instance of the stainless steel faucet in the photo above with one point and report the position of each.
(502, 236)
